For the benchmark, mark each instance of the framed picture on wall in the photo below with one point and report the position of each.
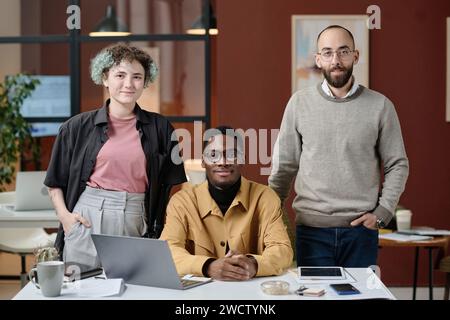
(305, 29)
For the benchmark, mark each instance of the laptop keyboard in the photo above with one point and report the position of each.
(186, 282)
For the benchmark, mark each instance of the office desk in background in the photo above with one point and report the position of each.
(25, 232)
(438, 243)
(366, 281)
(27, 219)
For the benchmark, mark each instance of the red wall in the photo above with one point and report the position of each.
(407, 64)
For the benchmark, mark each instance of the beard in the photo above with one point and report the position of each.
(340, 80)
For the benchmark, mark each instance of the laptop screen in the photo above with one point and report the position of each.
(31, 193)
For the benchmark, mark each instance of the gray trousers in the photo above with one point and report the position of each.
(109, 212)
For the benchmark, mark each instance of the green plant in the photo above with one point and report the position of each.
(46, 254)
(15, 131)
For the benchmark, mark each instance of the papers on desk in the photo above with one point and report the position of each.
(426, 232)
(403, 237)
(95, 288)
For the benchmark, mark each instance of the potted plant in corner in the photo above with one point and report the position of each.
(15, 131)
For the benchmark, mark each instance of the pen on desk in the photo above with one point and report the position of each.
(100, 277)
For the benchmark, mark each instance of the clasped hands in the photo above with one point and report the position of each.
(234, 266)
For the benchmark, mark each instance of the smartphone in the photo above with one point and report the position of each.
(76, 271)
(344, 289)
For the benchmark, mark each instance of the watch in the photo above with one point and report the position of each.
(380, 224)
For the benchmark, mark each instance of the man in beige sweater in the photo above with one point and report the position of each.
(333, 139)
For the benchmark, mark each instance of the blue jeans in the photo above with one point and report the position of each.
(353, 247)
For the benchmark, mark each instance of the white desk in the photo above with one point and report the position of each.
(368, 283)
(27, 219)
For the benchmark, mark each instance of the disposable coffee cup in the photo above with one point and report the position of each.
(48, 276)
(403, 218)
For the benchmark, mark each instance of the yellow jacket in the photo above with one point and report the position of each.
(196, 229)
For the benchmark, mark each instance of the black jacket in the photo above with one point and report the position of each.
(81, 138)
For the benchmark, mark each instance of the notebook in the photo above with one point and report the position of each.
(94, 288)
(141, 261)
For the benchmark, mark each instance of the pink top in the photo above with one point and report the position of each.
(121, 163)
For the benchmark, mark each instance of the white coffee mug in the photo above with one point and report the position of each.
(50, 276)
(403, 218)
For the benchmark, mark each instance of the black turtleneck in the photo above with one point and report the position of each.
(224, 197)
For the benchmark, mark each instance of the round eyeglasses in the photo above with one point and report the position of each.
(343, 54)
(214, 156)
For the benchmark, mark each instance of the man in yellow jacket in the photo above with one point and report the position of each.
(227, 228)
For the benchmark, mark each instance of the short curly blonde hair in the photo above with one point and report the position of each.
(114, 55)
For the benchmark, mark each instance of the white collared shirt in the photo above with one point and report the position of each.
(328, 91)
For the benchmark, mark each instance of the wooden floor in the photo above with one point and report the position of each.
(8, 289)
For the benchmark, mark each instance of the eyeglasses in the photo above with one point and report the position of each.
(214, 156)
(343, 54)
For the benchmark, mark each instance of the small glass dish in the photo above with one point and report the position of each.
(275, 287)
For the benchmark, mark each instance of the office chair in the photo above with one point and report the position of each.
(22, 241)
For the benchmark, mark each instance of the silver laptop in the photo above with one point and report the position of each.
(141, 261)
(31, 193)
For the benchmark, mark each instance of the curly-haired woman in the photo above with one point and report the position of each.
(112, 168)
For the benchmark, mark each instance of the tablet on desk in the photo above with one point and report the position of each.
(321, 273)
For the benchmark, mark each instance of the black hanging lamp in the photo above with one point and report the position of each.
(110, 25)
(201, 24)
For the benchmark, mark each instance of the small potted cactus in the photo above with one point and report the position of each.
(46, 254)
